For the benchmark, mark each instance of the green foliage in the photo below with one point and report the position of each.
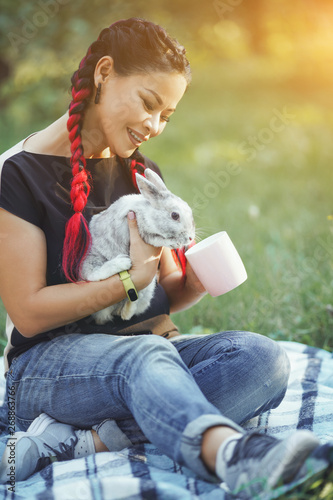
(42, 42)
(320, 489)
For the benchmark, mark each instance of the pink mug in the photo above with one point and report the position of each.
(217, 264)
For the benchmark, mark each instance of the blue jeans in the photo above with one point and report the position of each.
(172, 390)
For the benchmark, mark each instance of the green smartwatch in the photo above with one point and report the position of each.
(130, 289)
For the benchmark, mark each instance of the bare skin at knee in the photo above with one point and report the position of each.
(99, 445)
(211, 441)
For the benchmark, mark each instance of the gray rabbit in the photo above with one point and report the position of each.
(163, 219)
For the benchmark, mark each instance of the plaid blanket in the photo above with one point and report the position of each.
(142, 472)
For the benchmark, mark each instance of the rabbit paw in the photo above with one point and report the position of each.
(110, 268)
(103, 316)
(128, 310)
(145, 297)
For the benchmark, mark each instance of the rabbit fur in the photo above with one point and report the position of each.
(163, 219)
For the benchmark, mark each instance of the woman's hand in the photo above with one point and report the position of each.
(192, 280)
(145, 258)
(180, 297)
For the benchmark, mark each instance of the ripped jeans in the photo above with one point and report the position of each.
(149, 388)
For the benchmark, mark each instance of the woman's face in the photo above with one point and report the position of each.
(135, 108)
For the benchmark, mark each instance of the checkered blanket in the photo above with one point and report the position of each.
(142, 472)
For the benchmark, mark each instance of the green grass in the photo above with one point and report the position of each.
(275, 206)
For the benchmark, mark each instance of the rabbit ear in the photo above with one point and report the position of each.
(155, 179)
(147, 188)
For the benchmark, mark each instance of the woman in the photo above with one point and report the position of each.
(130, 380)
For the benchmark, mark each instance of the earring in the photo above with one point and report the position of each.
(98, 93)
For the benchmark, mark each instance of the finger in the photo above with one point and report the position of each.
(132, 225)
(135, 237)
(131, 218)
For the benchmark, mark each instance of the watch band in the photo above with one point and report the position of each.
(130, 289)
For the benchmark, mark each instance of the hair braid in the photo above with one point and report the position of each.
(77, 236)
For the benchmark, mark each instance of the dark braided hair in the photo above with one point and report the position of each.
(136, 46)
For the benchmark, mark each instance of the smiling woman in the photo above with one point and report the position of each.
(143, 107)
(137, 86)
(188, 396)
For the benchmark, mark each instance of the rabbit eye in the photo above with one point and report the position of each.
(175, 215)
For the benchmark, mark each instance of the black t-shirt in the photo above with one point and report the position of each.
(36, 188)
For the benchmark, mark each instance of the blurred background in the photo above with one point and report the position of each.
(250, 147)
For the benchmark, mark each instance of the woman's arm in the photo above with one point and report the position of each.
(180, 297)
(35, 307)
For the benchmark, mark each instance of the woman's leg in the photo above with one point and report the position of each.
(241, 373)
(146, 377)
(82, 380)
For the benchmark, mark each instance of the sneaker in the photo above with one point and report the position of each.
(45, 441)
(260, 462)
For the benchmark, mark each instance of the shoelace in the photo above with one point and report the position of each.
(42, 462)
(252, 445)
(65, 452)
